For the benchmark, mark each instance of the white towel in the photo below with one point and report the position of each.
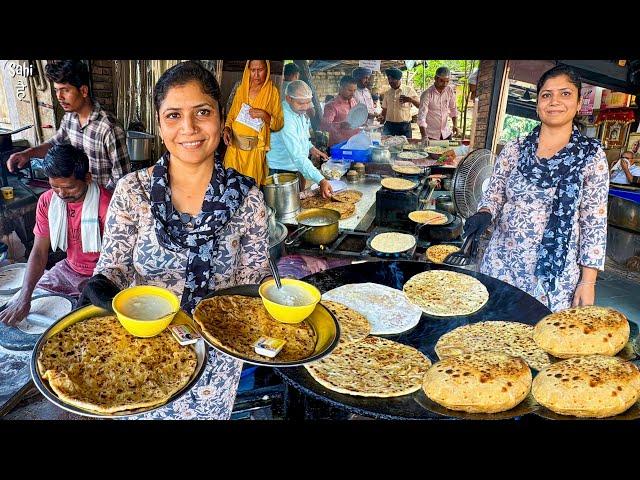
(618, 165)
(89, 226)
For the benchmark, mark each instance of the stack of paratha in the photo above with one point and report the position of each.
(236, 322)
(346, 210)
(481, 382)
(445, 293)
(97, 365)
(591, 386)
(342, 202)
(582, 331)
(373, 367)
(512, 338)
(348, 196)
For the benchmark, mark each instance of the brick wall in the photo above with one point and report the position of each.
(327, 83)
(486, 76)
(102, 83)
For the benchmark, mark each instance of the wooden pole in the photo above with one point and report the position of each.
(305, 76)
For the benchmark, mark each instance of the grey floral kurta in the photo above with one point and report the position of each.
(520, 211)
(131, 255)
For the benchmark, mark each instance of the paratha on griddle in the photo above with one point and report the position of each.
(374, 367)
(512, 338)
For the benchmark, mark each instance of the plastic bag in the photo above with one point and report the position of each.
(360, 141)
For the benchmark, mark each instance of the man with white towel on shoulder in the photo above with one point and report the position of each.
(69, 217)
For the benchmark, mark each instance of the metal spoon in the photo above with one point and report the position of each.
(274, 272)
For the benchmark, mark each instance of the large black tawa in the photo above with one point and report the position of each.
(506, 303)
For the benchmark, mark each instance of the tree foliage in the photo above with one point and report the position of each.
(515, 127)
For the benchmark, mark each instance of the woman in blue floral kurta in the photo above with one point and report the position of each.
(189, 225)
(547, 200)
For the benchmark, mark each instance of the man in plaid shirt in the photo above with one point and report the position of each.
(85, 125)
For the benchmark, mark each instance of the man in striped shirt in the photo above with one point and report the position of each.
(437, 103)
(85, 125)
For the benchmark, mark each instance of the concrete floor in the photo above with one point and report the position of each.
(619, 292)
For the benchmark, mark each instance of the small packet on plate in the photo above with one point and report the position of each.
(268, 346)
(184, 334)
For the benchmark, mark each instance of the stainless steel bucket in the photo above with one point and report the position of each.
(139, 145)
(282, 193)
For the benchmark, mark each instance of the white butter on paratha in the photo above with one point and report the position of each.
(386, 308)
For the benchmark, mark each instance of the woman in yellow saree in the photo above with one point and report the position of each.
(256, 98)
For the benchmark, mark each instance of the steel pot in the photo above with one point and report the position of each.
(445, 203)
(282, 193)
(271, 220)
(276, 241)
(318, 226)
(6, 143)
(380, 154)
(139, 145)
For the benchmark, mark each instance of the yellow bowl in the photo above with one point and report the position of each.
(144, 328)
(287, 313)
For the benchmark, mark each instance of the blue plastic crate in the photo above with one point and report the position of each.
(353, 155)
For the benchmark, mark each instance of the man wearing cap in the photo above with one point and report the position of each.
(290, 146)
(362, 93)
(437, 103)
(334, 117)
(396, 105)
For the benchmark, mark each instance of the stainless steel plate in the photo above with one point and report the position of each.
(91, 311)
(4, 274)
(322, 321)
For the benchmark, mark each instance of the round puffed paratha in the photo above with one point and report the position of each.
(411, 155)
(393, 183)
(393, 242)
(97, 365)
(481, 382)
(437, 253)
(374, 367)
(595, 386)
(446, 294)
(353, 326)
(348, 196)
(387, 309)
(582, 331)
(407, 169)
(315, 201)
(512, 338)
(346, 210)
(428, 216)
(236, 322)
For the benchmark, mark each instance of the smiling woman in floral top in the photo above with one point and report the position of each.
(547, 199)
(188, 225)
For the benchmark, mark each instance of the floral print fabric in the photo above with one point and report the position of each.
(565, 171)
(224, 195)
(521, 211)
(132, 255)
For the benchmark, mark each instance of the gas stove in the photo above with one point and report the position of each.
(349, 244)
(393, 206)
